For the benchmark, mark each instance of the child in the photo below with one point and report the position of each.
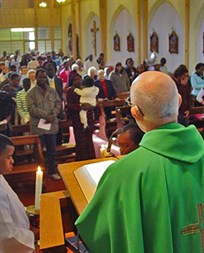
(87, 98)
(15, 233)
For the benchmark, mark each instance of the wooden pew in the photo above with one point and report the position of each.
(121, 115)
(123, 95)
(28, 155)
(57, 217)
(64, 152)
(195, 118)
(103, 122)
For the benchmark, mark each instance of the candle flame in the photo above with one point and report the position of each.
(39, 168)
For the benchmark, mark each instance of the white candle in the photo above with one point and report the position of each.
(102, 150)
(38, 187)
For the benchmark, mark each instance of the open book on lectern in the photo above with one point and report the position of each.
(89, 175)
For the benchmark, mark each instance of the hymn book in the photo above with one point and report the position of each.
(89, 175)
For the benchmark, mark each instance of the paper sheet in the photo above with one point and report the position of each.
(43, 125)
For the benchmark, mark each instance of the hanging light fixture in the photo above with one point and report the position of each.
(43, 4)
(60, 1)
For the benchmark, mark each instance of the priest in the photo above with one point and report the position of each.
(152, 200)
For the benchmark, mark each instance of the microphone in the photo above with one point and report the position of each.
(110, 141)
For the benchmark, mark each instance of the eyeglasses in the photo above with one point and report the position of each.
(127, 100)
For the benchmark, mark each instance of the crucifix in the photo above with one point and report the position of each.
(94, 30)
(196, 227)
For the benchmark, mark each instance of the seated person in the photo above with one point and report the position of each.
(15, 233)
(200, 97)
(129, 138)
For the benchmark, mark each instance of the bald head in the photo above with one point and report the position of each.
(156, 95)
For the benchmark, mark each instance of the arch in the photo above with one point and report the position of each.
(164, 19)
(115, 15)
(199, 20)
(199, 35)
(156, 6)
(89, 18)
(121, 55)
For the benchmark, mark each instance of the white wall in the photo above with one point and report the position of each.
(164, 19)
(200, 54)
(90, 47)
(123, 24)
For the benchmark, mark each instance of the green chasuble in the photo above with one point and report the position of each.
(152, 200)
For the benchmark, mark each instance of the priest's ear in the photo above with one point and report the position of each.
(136, 113)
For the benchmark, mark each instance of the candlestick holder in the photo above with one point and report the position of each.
(33, 216)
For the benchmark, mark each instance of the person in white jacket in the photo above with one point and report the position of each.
(197, 79)
(200, 96)
(87, 100)
(15, 233)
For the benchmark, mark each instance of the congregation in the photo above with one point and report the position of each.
(42, 90)
(49, 86)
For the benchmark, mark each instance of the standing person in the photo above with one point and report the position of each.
(92, 73)
(181, 77)
(163, 67)
(56, 83)
(23, 74)
(130, 69)
(120, 79)
(81, 70)
(87, 93)
(13, 88)
(64, 76)
(21, 102)
(152, 199)
(33, 64)
(84, 142)
(15, 233)
(31, 76)
(7, 105)
(106, 91)
(90, 62)
(64, 73)
(49, 60)
(44, 105)
(101, 61)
